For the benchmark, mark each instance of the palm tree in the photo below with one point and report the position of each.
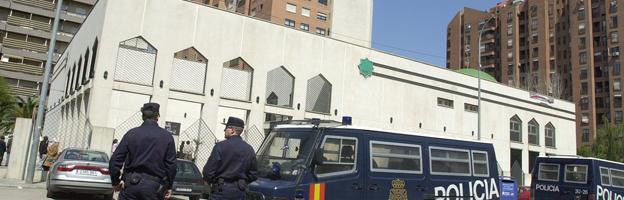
(25, 107)
(7, 108)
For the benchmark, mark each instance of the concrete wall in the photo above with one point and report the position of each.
(352, 21)
(401, 95)
(102, 139)
(19, 157)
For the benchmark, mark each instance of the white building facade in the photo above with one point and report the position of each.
(203, 64)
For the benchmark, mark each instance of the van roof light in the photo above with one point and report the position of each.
(347, 120)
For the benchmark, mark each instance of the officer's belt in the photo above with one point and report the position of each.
(149, 177)
(233, 180)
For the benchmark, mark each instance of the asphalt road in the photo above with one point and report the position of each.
(38, 194)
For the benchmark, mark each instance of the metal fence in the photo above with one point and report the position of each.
(202, 140)
(132, 122)
(68, 127)
(254, 137)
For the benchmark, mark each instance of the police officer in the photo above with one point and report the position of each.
(147, 154)
(232, 164)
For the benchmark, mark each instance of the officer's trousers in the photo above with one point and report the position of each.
(229, 191)
(144, 190)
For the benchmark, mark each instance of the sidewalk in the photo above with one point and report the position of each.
(14, 183)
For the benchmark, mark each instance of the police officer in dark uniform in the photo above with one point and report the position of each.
(232, 164)
(147, 154)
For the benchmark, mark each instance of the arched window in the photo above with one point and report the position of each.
(236, 80)
(93, 57)
(85, 67)
(318, 95)
(188, 72)
(136, 59)
(515, 129)
(280, 87)
(549, 132)
(534, 132)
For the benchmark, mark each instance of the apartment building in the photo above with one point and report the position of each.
(25, 27)
(567, 49)
(349, 21)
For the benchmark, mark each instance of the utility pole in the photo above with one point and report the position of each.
(479, 78)
(30, 171)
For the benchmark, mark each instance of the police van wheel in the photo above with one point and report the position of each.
(51, 194)
(108, 197)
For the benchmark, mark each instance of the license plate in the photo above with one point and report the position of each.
(87, 172)
(184, 189)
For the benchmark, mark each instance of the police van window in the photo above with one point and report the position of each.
(447, 161)
(617, 178)
(339, 156)
(285, 147)
(395, 157)
(605, 177)
(576, 173)
(480, 163)
(548, 172)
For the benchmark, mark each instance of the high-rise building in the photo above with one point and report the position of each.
(25, 27)
(567, 49)
(323, 17)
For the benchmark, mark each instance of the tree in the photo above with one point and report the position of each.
(26, 107)
(7, 108)
(609, 143)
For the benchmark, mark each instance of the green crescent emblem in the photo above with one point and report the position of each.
(366, 67)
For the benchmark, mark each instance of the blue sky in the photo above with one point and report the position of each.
(417, 28)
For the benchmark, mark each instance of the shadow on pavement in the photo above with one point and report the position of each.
(67, 196)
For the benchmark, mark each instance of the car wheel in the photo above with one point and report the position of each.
(51, 194)
(193, 197)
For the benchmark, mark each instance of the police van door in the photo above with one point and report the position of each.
(339, 177)
(394, 170)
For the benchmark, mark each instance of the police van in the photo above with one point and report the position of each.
(308, 161)
(574, 177)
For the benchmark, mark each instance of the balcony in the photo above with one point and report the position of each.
(488, 53)
(18, 21)
(37, 3)
(23, 91)
(18, 67)
(20, 44)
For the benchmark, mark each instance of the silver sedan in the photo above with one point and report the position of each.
(80, 171)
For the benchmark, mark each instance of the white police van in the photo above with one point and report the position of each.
(577, 178)
(313, 162)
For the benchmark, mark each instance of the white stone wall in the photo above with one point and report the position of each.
(403, 90)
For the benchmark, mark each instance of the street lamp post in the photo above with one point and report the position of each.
(30, 171)
(479, 79)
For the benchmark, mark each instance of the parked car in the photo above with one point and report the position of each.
(188, 181)
(524, 193)
(80, 171)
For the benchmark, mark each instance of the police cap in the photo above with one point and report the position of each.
(234, 121)
(154, 107)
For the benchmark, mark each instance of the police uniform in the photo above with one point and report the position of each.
(231, 167)
(148, 156)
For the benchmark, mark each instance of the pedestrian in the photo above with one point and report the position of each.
(114, 145)
(3, 148)
(52, 154)
(181, 152)
(43, 147)
(232, 164)
(8, 150)
(148, 157)
(188, 151)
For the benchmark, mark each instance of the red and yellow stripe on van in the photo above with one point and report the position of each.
(317, 191)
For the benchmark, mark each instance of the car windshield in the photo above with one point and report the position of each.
(187, 170)
(285, 152)
(84, 155)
